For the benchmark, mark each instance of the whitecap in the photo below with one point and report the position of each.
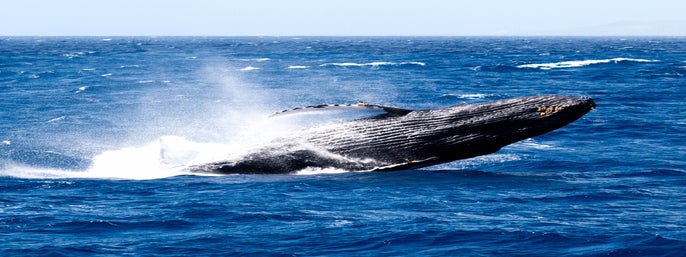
(88, 69)
(372, 64)
(6, 142)
(474, 96)
(81, 89)
(61, 118)
(106, 75)
(77, 54)
(298, 67)
(413, 63)
(72, 55)
(129, 66)
(263, 59)
(581, 63)
(531, 143)
(342, 64)
(145, 81)
(249, 68)
(340, 223)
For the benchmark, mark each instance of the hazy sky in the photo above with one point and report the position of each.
(341, 17)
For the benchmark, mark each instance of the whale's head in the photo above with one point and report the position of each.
(428, 137)
(520, 118)
(465, 131)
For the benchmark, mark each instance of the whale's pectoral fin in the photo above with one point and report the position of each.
(407, 164)
(360, 106)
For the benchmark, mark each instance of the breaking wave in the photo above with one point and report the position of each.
(298, 67)
(475, 96)
(373, 64)
(582, 63)
(249, 68)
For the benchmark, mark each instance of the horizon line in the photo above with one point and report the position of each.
(360, 36)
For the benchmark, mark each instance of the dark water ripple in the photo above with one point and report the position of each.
(610, 184)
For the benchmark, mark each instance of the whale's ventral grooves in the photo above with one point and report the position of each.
(411, 139)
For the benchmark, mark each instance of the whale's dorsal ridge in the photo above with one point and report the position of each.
(359, 106)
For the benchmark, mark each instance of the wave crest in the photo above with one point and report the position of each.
(373, 64)
(581, 63)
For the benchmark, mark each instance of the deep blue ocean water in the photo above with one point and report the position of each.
(84, 122)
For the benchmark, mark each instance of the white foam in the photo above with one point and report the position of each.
(318, 171)
(132, 163)
(474, 96)
(61, 118)
(6, 142)
(81, 89)
(533, 144)
(477, 161)
(581, 63)
(249, 68)
(167, 157)
(23, 171)
(470, 96)
(177, 152)
(372, 64)
(298, 67)
(413, 63)
(214, 132)
(129, 66)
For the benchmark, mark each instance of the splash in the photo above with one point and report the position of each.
(223, 120)
(320, 171)
(171, 131)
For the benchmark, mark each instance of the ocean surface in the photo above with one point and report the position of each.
(95, 133)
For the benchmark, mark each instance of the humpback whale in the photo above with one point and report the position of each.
(400, 139)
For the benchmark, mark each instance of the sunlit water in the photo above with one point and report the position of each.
(95, 134)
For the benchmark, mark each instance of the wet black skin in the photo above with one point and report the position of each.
(406, 139)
